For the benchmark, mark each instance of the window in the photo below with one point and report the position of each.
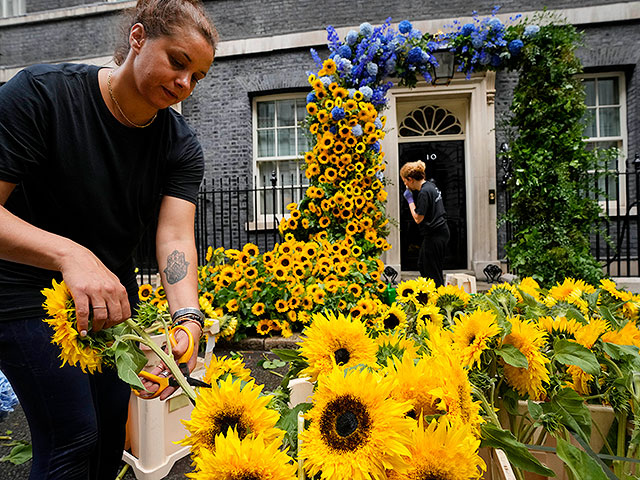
(606, 127)
(11, 8)
(279, 145)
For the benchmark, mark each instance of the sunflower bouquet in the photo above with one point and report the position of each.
(117, 347)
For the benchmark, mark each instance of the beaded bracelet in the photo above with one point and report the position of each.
(187, 314)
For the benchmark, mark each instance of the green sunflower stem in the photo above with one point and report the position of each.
(168, 360)
(618, 466)
(488, 408)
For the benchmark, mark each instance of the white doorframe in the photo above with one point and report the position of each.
(475, 99)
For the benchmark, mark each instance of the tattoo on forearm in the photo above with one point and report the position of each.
(176, 267)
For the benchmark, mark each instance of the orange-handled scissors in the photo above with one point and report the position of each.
(164, 382)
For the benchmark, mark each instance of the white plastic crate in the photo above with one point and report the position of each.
(155, 425)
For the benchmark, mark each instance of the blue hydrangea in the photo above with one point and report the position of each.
(495, 60)
(333, 129)
(376, 147)
(380, 175)
(366, 92)
(345, 65)
(467, 29)
(390, 64)
(352, 37)
(484, 58)
(416, 34)
(8, 398)
(352, 92)
(531, 30)
(515, 46)
(477, 41)
(405, 26)
(344, 51)
(326, 81)
(366, 29)
(356, 130)
(337, 113)
(311, 97)
(377, 123)
(372, 68)
(495, 24)
(415, 55)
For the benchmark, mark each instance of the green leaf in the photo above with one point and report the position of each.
(271, 364)
(19, 454)
(627, 353)
(512, 356)
(535, 410)
(517, 452)
(572, 412)
(286, 354)
(572, 353)
(289, 423)
(129, 362)
(580, 463)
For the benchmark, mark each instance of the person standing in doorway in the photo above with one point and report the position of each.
(427, 210)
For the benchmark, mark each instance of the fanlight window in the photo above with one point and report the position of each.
(430, 120)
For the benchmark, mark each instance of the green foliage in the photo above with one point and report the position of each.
(552, 212)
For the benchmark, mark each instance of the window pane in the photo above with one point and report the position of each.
(303, 142)
(590, 92)
(286, 113)
(608, 187)
(287, 174)
(301, 109)
(286, 142)
(610, 122)
(608, 91)
(266, 143)
(589, 121)
(265, 170)
(266, 114)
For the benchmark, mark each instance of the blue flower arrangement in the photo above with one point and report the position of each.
(370, 55)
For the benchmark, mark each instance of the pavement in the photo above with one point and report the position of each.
(253, 350)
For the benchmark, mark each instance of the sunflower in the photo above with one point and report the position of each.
(562, 290)
(473, 334)
(394, 344)
(587, 335)
(394, 318)
(356, 430)
(428, 314)
(627, 335)
(281, 305)
(332, 340)
(258, 309)
(230, 404)
(559, 326)
(448, 392)
(451, 299)
(529, 338)
(444, 450)
(237, 459)
(144, 292)
(529, 286)
(505, 294)
(75, 350)
(264, 326)
(406, 291)
(219, 367)
(579, 380)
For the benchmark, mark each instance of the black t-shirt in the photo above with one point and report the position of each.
(429, 204)
(83, 175)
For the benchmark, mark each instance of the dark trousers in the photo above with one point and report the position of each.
(432, 253)
(77, 421)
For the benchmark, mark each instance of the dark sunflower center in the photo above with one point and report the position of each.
(222, 422)
(342, 356)
(472, 338)
(392, 321)
(345, 424)
(412, 414)
(423, 297)
(246, 476)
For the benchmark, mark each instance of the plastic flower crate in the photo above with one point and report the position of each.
(155, 425)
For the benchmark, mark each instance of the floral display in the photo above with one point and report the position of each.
(405, 390)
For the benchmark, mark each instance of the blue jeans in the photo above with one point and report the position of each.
(77, 421)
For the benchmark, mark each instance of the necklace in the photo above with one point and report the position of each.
(113, 98)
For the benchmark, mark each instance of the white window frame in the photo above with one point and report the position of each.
(18, 9)
(262, 219)
(610, 207)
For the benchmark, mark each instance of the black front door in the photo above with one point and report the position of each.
(445, 167)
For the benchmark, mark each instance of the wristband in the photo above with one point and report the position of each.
(188, 313)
